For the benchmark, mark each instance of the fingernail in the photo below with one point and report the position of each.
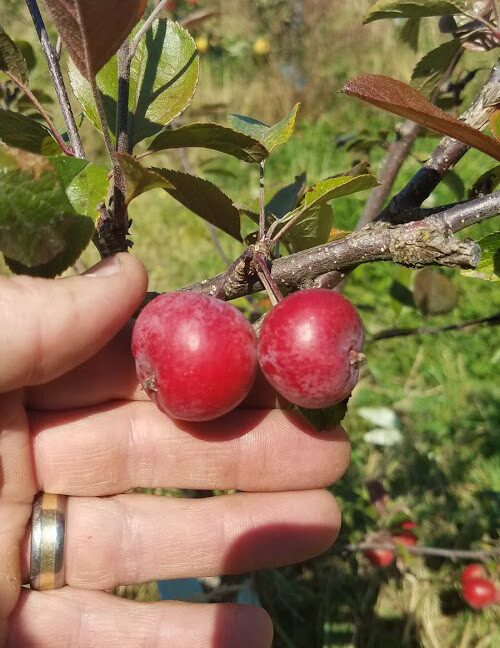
(105, 268)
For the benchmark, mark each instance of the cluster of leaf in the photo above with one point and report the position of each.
(430, 69)
(44, 232)
(163, 79)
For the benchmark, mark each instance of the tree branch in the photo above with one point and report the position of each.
(426, 242)
(448, 152)
(491, 320)
(57, 79)
(454, 554)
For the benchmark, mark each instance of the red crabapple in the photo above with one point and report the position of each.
(309, 347)
(406, 538)
(379, 557)
(475, 570)
(479, 592)
(195, 355)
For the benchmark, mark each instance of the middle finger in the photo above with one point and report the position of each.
(113, 448)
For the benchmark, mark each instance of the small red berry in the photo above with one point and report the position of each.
(195, 355)
(408, 525)
(309, 347)
(479, 592)
(379, 557)
(406, 538)
(476, 570)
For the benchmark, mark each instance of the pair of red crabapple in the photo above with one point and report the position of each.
(197, 356)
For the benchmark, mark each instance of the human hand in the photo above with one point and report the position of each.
(74, 421)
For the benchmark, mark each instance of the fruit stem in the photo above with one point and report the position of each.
(265, 276)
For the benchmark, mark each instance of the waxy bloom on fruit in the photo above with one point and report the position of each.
(195, 355)
(309, 347)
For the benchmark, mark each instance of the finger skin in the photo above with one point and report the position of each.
(70, 618)
(113, 448)
(136, 538)
(49, 326)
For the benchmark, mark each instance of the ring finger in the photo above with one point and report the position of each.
(134, 538)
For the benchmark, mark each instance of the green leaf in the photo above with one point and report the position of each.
(140, 179)
(486, 183)
(269, 136)
(163, 78)
(41, 232)
(331, 188)
(11, 59)
(25, 133)
(327, 418)
(28, 53)
(312, 228)
(287, 198)
(107, 82)
(495, 123)
(204, 199)
(88, 189)
(214, 137)
(455, 183)
(434, 294)
(489, 266)
(412, 9)
(430, 69)
(409, 33)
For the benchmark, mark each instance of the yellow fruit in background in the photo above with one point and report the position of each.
(261, 46)
(201, 43)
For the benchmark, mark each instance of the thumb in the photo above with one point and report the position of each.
(50, 326)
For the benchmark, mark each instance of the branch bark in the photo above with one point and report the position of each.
(491, 320)
(57, 79)
(426, 242)
(453, 554)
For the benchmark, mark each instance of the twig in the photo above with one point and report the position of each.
(102, 118)
(42, 112)
(265, 276)
(454, 554)
(396, 155)
(147, 24)
(491, 320)
(477, 17)
(57, 79)
(262, 213)
(414, 244)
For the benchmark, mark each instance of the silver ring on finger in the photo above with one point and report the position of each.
(48, 525)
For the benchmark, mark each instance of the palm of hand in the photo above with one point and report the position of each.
(83, 428)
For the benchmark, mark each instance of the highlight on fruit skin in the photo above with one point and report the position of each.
(195, 355)
(310, 348)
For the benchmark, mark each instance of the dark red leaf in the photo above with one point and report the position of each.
(401, 99)
(93, 30)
